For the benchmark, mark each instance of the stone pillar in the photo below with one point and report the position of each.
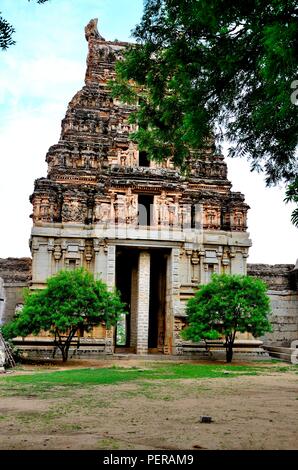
(111, 280)
(111, 267)
(173, 300)
(51, 261)
(100, 260)
(245, 256)
(35, 255)
(143, 302)
(134, 307)
(189, 265)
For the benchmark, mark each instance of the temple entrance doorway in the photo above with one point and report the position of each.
(141, 278)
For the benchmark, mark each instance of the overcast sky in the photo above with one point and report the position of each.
(39, 76)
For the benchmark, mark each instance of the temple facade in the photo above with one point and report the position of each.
(142, 227)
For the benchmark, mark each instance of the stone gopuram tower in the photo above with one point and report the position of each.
(143, 227)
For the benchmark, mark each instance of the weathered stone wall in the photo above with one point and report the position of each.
(13, 270)
(15, 275)
(284, 317)
(277, 276)
(283, 294)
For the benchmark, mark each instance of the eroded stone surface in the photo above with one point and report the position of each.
(15, 269)
(278, 277)
(282, 290)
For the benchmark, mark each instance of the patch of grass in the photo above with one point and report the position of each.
(108, 444)
(46, 382)
(282, 369)
(71, 427)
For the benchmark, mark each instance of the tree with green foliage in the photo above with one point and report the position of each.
(227, 305)
(292, 196)
(71, 303)
(204, 68)
(7, 30)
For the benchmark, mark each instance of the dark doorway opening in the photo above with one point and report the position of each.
(125, 261)
(145, 205)
(143, 159)
(157, 305)
(125, 339)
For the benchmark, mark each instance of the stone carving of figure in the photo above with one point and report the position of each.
(119, 206)
(122, 157)
(102, 212)
(131, 208)
(173, 209)
(132, 154)
(163, 209)
(105, 212)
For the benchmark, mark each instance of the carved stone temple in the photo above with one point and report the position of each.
(143, 227)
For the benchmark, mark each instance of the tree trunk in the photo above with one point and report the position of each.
(229, 352)
(65, 345)
(64, 352)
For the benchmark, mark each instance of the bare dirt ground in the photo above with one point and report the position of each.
(249, 412)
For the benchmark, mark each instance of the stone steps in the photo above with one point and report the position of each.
(280, 352)
(282, 356)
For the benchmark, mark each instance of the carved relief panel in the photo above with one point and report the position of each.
(45, 208)
(238, 219)
(102, 211)
(74, 209)
(127, 156)
(131, 208)
(211, 216)
(166, 210)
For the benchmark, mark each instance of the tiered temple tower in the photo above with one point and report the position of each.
(141, 226)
